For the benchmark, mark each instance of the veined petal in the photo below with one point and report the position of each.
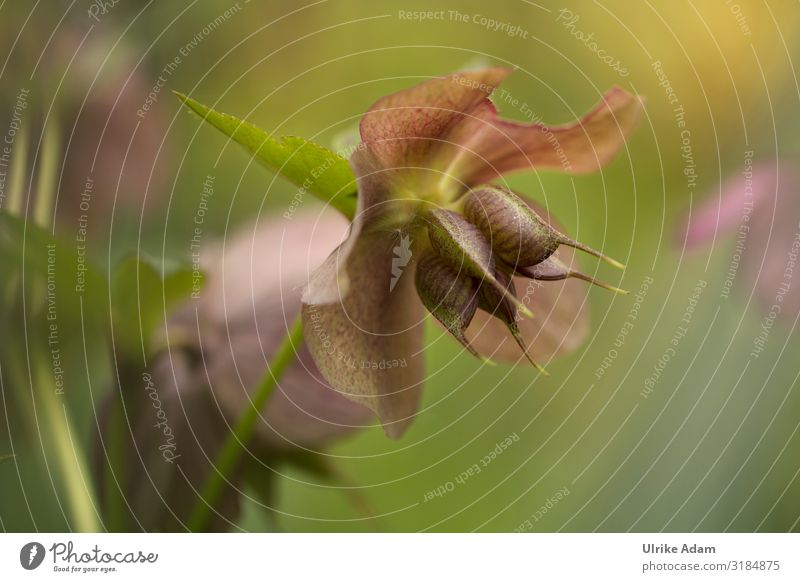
(405, 128)
(368, 343)
(243, 312)
(489, 146)
(361, 315)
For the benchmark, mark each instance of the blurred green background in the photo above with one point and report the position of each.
(713, 447)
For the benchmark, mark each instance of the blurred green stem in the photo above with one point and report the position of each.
(48, 170)
(18, 171)
(69, 455)
(234, 445)
(54, 424)
(115, 469)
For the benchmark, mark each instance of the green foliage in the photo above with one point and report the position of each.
(312, 167)
(56, 280)
(22, 244)
(141, 298)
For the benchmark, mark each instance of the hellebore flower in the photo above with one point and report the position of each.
(759, 205)
(425, 156)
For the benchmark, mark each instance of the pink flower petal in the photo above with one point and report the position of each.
(364, 333)
(449, 127)
(490, 146)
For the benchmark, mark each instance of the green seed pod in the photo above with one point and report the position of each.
(464, 248)
(497, 305)
(552, 269)
(451, 297)
(517, 234)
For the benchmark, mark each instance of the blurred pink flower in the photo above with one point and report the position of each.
(123, 152)
(252, 296)
(217, 351)
(760, 207)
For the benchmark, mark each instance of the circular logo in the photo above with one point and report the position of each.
(31, 555)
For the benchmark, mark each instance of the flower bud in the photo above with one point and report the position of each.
(517, 234)
(450, 296)
(464, 248)
(492, 302)
(552, 269)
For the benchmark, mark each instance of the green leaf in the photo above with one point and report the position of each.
(6, 457)
(24, 245)
(312, 167)
(55, 274)
(141, 299)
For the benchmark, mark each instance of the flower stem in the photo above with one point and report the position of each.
(115, 505)
(19, 166)
(237, 440)
(48, 171)
(69, 456)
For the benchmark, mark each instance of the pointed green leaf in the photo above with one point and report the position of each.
(312, 167)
